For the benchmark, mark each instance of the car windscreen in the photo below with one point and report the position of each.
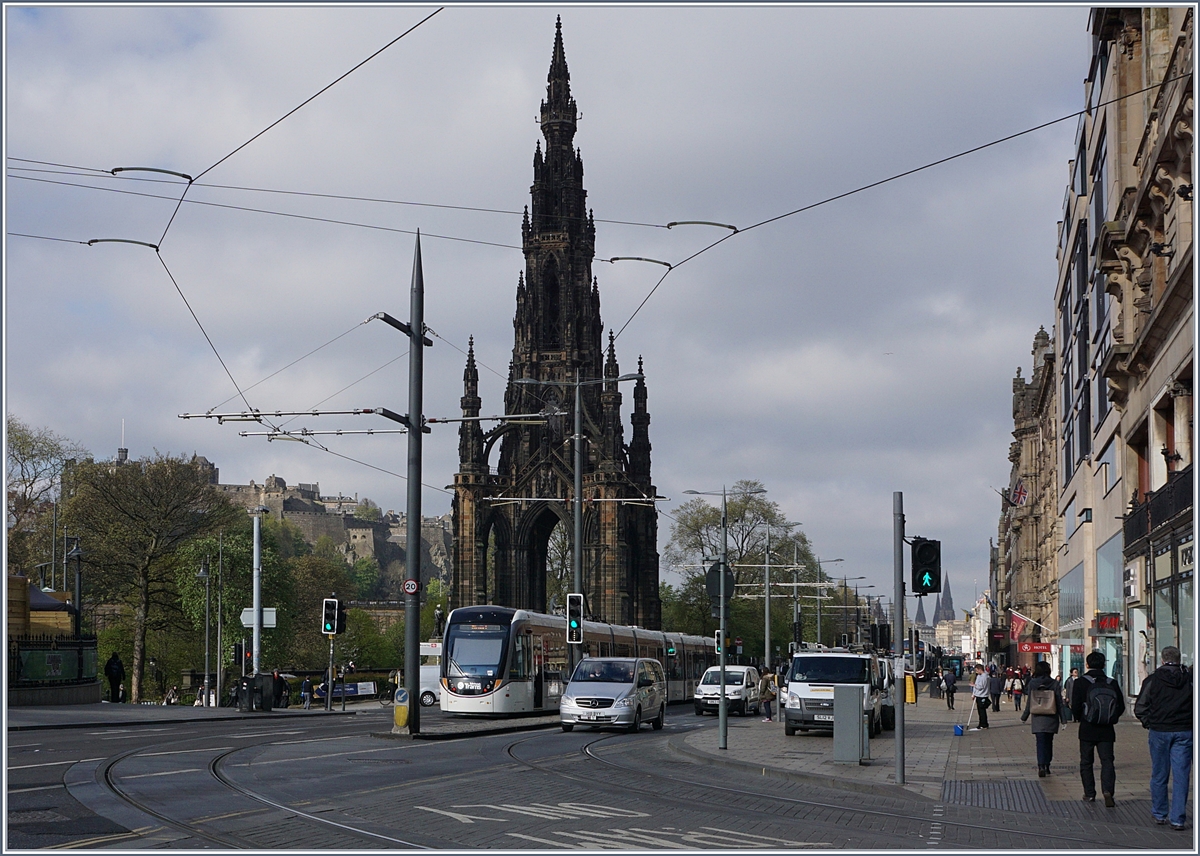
(603, 672)
(731, 678)
(475, 649)
(829, 670)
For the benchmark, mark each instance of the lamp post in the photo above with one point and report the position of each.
(203, 574)
(77, 555)
(722, 713)
(577, 546)
(257, 513)
(819, 561)
(858, 615)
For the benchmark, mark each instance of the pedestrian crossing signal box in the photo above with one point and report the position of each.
(574, 619)
(926, 566)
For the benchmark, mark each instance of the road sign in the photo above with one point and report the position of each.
(738, 641)
(411, 586)
(268, 617)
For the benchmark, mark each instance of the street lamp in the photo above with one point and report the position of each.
(77, 554)
(257, 513)
(203, 574)
(820, 562)
(722, 713)
(577, 547)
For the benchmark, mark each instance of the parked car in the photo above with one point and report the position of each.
(615, 691)
(431, 685)
(741, 690)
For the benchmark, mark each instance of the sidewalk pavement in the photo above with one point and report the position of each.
(994, 768)
(104, 715)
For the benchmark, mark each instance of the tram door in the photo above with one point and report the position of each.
(539, 671)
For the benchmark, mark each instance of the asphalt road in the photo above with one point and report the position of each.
(330, 783)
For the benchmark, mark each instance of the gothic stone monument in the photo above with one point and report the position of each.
(504, 517)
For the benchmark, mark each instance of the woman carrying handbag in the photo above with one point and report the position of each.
(1045, 700)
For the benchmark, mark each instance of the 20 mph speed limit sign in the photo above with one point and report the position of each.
(411, 586)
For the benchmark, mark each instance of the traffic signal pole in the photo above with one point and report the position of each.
(900, 694)
(722, 708)
(329, 678)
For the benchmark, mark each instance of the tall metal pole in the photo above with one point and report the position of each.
(577, 547)
(722, 712)
(78, 556)
(54, 539)
(207, 604)
(898, 628)
(412, 551)
(256, 604)
(220, 590)
(767, 608)
(820, 595)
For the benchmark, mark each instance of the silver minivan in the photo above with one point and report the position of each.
(615, 691)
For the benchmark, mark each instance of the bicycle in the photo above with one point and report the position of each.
(387, 695)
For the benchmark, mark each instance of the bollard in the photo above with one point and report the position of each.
(400, 711)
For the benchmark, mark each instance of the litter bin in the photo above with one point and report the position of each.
(264, 692)
(245, 694)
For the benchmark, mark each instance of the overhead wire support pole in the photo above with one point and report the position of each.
(898, 625)
(412, 552)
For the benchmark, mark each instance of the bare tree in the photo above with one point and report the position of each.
(35, 460)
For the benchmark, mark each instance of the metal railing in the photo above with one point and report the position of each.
(36, 661)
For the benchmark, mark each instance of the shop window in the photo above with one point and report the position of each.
(1110, 568)
(1187, 623)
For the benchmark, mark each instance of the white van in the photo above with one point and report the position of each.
(810, 682)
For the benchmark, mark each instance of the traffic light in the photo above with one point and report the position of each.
(926, 566)
(239, 651)
(330, 615)
(574, 619)
(717, 639)
(712, 583)
(341, 617)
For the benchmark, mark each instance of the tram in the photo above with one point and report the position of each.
(499, 661)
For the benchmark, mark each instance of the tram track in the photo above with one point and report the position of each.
(109, 777)
(1037, 838)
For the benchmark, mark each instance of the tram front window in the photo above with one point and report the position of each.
(474, 655)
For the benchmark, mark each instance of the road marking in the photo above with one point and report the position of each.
(233, 814)
(127, 730)
(53, 763)
(183, 751)
(164, 773)
(262, 734)
(562, 811)
(315, 740)
(88, 842)
(557, 845)
(42, 788)
(22, 745)
(313, 757)
(464, 818)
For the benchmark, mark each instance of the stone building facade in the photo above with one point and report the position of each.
(504, 517)
(1026, 572)
(1124, 332)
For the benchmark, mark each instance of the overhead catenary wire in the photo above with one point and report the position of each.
(890, 178)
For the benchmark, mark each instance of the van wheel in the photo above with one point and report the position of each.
(636, 725)
(657, 723)
(428, 699)
(568, 726)
(789, 730)
(699, 712)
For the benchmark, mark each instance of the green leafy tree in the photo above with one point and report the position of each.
(314, 578)
(133, 520)
(560, 572)
(35, 461)
(365, 644)
(696, 535)
(367, 510)
(364, 575)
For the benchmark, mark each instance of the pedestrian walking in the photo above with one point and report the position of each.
(1045, 699)
(995, 688)
(1008, 683)
(306, 693)
(935, 685)
(1097, 703)
(277, 687)
(1018, 686)
(949, 681)
(114, 670)
(766, 694)
(1164, 707)
(980, 693)
(1068, 688)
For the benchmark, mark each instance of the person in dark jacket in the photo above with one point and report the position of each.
(1044, 726)
(114, 670)
(278, 686)
(996, 687)
(1164, 707)
(1096, 739)
(950, 680)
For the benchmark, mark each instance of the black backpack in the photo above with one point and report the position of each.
(1101, 704)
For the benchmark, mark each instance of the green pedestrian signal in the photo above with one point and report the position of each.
(926, 566)
(574, 619)
(330, 613)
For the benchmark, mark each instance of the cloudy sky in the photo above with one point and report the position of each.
(858, 348)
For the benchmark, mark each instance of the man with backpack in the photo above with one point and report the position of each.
(1097, 702)
(1164, 707)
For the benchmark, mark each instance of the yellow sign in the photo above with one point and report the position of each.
(910, 689)
(400, 709)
